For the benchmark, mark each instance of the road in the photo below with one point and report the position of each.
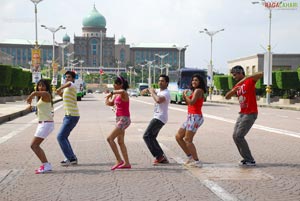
(274, 141)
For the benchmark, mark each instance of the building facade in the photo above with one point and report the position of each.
(255, 63)
(96, 49)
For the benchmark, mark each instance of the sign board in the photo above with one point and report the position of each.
(54, 81)
(268, 68)
(36, 76)
(36, 59)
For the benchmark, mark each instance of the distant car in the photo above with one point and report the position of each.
(133, 93)
(90, 91)
(97, 91)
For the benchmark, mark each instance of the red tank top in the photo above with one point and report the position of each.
(197, 107)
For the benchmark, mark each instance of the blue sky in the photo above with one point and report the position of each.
(165, 21)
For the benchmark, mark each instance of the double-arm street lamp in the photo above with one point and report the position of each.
(53, 31)
(210, 67)
(149, 63)
(179, 56)
(161, 62)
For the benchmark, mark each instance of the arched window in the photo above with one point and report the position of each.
(122, 55)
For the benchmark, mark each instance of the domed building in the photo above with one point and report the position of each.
(94, 47)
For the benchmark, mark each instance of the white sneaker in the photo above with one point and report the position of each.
(195, 164)
(189, 160)
(44, 168)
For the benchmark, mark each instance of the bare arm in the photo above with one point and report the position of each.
(198, 93)
(233, 91)
(156, 98)
(43, 94)
(59, 90)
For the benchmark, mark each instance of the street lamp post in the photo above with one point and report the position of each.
(118, 72)
(179, 56)
(149, 63)
(69, 55)
(167, 68)
(210, 67)
(130, 67)
(35, 11)
(63, 46)
(81, 62)
(53, 31)
(142, 73)
(268, 61)
(161, 60)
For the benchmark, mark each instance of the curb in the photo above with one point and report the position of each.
(18, 114)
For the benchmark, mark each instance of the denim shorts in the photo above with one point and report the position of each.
(122, 122)
(193, 122)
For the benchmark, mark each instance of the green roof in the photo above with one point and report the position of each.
(94, 19)
(66, 38)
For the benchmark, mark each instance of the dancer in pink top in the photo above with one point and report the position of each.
(119, 98)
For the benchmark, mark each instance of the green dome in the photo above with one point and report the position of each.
(66, 38)
(122, 40)
(94, 19)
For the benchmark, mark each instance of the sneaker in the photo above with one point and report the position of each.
(161, 160)
(188, 160)
(247, 163)
(195, 164)
(68, 162)
(43, 169)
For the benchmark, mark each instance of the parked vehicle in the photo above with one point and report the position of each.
(142, 86)
(184, 77)
(133, 92)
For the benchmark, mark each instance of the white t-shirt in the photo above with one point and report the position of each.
(161, 110)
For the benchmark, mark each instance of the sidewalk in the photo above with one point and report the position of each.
(260, 103)
(12, 110)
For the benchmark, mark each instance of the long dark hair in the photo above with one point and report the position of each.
(202, 84)
(48, 88)
(120, 80)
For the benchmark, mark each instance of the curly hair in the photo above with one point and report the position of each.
(202, 84)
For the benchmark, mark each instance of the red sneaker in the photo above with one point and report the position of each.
(161, 160)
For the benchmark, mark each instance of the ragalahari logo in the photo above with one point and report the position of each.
(281, 5)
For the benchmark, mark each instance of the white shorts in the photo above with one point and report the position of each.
(44, 129)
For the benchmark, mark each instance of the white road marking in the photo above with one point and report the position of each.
(256, 126)
(16, 132)
(212, 186)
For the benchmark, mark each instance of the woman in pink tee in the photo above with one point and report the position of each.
(119, 98)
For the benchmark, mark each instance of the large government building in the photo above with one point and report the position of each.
(94, 49)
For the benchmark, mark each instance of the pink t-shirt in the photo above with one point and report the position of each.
(122, 107)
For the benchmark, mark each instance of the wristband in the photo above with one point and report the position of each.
(112, 92)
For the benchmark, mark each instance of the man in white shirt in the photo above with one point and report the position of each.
(161, 97)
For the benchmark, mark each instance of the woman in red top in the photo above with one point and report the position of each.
(119, 98)
(187, 131)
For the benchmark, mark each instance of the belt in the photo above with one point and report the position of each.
(44, 121)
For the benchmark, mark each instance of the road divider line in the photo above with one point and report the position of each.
(256, 126)
(212, 186)
(16, 132)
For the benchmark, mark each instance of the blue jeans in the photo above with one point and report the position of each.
(150, 136)
(69, 122)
